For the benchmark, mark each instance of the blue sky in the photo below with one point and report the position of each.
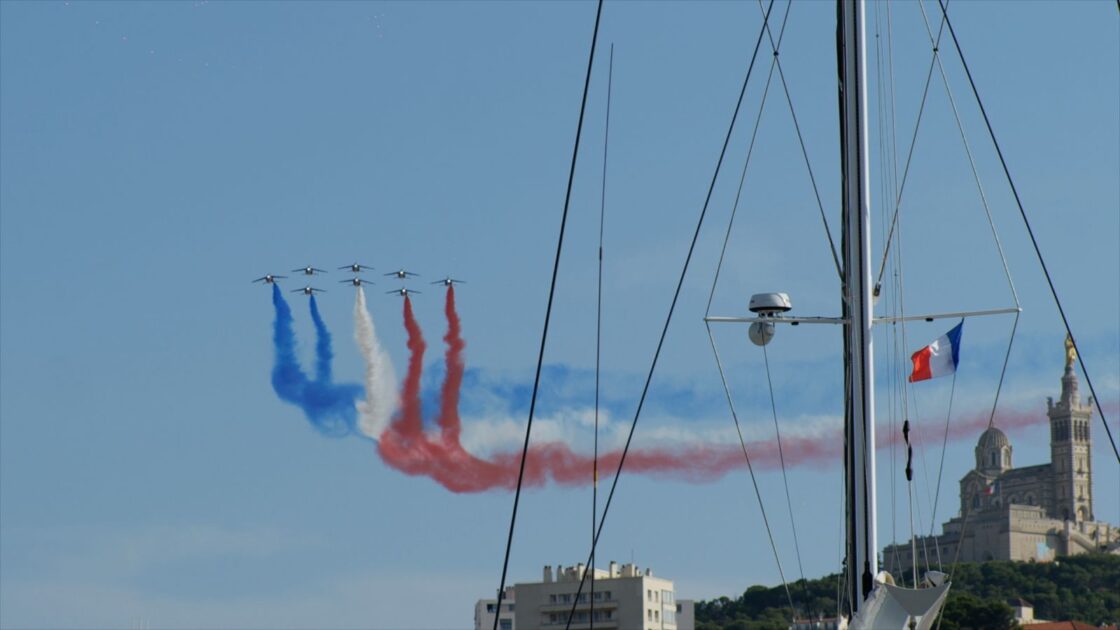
(155, 157)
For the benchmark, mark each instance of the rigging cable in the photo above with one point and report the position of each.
(599, 332)
(782, 460)
(1027, 223)
(708, 308)
(885, 185)
(548, 313)
(672, 305)
(941, 469)
(1003, 261)
(801, 141)
(906, 167)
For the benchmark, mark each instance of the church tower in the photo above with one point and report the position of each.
(1070, 449)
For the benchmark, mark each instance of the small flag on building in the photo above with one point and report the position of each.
(938, 358)
(992, 489)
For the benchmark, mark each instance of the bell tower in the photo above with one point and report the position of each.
(1070, 449)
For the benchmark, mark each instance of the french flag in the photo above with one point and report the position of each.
(939, 358)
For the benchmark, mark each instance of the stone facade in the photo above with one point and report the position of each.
(1035, 513)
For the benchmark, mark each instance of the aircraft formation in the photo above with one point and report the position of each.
(357, 280)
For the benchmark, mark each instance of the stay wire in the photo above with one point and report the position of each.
(1027, 223)
(906, 167)
(746, 166)
(711, 296)
(801, 140)
(941, 468)
(599, 331)
(971, 159)
(672, 306)
(750, 468)
(548, 313)
(885, 185)
(782, 460)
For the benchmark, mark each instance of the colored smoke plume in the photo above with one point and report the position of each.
(408, 447)
(380, 381)
(328, 406)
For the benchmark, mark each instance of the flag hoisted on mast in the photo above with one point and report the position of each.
(939, 358)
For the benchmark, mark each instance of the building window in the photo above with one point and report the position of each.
(649, 595)
(489, 608)
(505, 624)
(649, 614)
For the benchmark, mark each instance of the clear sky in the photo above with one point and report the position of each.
(155, 157)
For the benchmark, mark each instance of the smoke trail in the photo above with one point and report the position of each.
(323, 353)
(404, 445)
(440, 455)
(449, 422)
(380, 381)
(328, 406)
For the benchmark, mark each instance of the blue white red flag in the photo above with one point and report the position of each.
(939, 358)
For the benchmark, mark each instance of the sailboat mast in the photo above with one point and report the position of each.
(859, 413)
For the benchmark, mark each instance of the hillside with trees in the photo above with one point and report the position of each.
(1082, 588)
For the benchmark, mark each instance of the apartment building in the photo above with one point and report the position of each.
(624, 598)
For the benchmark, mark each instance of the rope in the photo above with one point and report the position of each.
(910, 500)
(548, 313)
(599, 332)
(1027, 223)
(672, 307)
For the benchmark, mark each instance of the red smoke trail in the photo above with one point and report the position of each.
(406, 446)
(449, 422)
(403, 444)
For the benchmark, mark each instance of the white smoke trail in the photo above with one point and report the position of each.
(381, 380)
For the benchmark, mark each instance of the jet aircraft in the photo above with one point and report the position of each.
(310, 271)
(309, 290)
(356, 281)
(269, 278)
(401, 274)
(356, 267)
(403, 292)
(448, 281)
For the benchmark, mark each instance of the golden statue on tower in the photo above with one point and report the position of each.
(1071, 352)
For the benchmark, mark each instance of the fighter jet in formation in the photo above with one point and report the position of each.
(310, 271)
(269, 278)
(401, 274)
(356, 267)
(356, 281)
(448, 281)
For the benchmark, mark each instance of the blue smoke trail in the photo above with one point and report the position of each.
(323, 353)
(329, 406)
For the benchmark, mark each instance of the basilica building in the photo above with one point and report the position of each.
(1033, 513)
